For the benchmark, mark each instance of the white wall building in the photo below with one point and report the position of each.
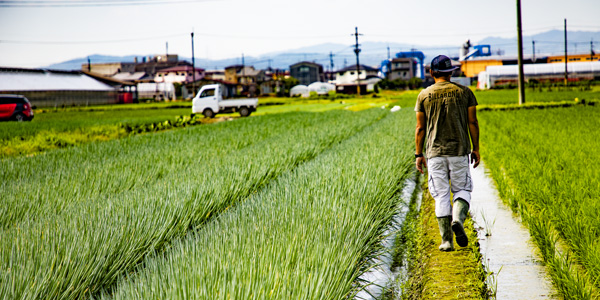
(180, 74)
(348, 75)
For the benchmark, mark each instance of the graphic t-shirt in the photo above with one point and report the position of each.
(445, 105)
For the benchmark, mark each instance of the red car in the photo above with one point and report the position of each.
(15, 107)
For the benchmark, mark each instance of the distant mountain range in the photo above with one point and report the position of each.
(372, 53)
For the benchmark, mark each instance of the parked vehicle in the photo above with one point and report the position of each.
(211, 100)
(15, 107)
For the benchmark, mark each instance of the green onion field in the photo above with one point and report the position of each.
(138, 202)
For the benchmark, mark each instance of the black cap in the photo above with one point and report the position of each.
(442, 63)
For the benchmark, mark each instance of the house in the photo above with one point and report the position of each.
(241, 74)
(148, 66)
(401, 68)
(347, 79)
(109, 69)
(307, 72)
(53, 88)
(348, 75)
(179, 74)
(215, 74)
(248, 80)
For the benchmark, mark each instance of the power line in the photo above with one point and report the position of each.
(89, 42)
(91, 3)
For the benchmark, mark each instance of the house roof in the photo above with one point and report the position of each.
(179, 69)
(248, 71)
(234, 66)
(14, 79)
(362, 67)
(129, 76)
(306, 63)
(108, 80)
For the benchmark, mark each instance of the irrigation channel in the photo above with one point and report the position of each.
(384, 276)
(506, 246)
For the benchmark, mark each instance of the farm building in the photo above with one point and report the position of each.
(307, 72)
(300, 90)
(320, 88)
(499, 75)
(583, 57)
(51, 88)
(472, 67)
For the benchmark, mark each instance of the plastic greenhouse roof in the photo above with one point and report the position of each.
(44, 80)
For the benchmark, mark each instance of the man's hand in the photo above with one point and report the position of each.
(421, 162)
(475, 158)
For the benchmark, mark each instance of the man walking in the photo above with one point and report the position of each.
(447, 116)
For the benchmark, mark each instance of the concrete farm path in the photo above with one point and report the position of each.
(508, 251)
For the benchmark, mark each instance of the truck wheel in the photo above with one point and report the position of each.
(244, 112)
(208, 113)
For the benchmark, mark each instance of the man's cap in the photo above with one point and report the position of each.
(442, 63)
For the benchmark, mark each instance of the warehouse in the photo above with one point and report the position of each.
(51, 88)
(499, 75)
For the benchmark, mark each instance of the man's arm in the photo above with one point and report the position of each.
(420, 140)
(474, 131)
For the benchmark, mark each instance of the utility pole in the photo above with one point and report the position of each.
(592, 50)
(243, 73)
(193, 68)
(566, 56)
(520, 47)
(533, 57)
(243, 67)
(331, 65)
(357, 51)
(89, 64)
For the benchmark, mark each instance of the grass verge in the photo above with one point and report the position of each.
(434, 274)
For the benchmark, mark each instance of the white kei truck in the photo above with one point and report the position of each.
(211, 100)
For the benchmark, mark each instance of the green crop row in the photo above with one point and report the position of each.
(97, 170)
(309, 235)
(65, 121)
(93, 213)
(544, 164)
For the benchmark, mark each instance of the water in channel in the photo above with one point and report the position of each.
(383, 276)
(506, 245)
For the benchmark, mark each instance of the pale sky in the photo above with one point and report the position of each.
(42, 32)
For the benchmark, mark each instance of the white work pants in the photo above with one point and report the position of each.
(449, 173)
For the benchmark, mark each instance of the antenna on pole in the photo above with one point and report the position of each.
(357, 51)
(388, 49)
(520, 47)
